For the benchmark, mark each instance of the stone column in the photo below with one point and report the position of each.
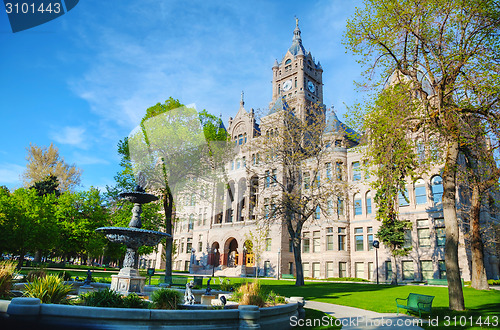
(249, 317)
(300, 307)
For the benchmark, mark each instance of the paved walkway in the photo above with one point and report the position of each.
(356, 318)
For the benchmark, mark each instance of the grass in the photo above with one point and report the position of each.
(317, 320)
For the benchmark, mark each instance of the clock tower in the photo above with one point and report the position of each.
(298, 78)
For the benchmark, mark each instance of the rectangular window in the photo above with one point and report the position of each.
(267, 268)
(359, 268)
(306, 181)
(237, 164)
(427, 271)
(329, 269)
(442, 269)
(268, 244)
(357, 207)
(356, 171)
(244, 162)
(440, 231)
(440, 236)
(340, 207)
(329, 242)
(329, 207)
(317, 213)
(290, 246)
(306, 246)
(408, 271)
(240, 139)
(182, 246)
(402, 199)
(253, 159)
(268, 179)
(342, 239)
(342, 269)
(316, 269)
(370, 242)
(359, 239)
(420, 195)
(407, 243)
(370, 270)
(316, 242)
(274, 177)
(338, 170)
(200, 246)
(189, 245)
(368, 204)
(290, 268)
(328, 171)
(305, 269)
(388, 270)
(423, 233)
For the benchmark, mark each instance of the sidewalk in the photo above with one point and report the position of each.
(356, 318)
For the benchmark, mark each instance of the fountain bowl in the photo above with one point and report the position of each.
(138, 197)
(132, 237)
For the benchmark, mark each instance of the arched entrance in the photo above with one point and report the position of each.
(231, 250)
(214, 257)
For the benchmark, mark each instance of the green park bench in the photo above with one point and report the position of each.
(440, 281)
(287, 276)
(175, 281)
(417, 303)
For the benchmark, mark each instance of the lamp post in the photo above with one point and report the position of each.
(214, 254)
(376, 245)
(191, 261)
(278, 265)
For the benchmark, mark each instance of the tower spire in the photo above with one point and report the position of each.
(296, 32)
(242, 103)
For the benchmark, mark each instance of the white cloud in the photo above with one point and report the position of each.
(10, 173)
(81, 159)
(70, 135)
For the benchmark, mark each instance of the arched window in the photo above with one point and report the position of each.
(357, 204)
(437, 189)
(245, 136)
(420, 192)
(288, 61)
(369, 202)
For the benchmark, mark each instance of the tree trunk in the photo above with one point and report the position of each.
(455, 293)
(394, 278)
(479, 279)
(299, 279)
(22, 253)
(168, 201)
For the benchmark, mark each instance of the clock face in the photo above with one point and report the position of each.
(311, 87)
(287, 85)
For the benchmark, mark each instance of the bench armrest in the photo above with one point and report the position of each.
(424, 303)
(405, 299)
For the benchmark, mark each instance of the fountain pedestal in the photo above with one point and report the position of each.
(128, 280)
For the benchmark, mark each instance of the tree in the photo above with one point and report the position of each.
(27, 221)
(47, 186)
(295, 189)
(390, 152)
(449, 52)
(43, 162)
(171, 147)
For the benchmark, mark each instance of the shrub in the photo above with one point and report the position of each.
(50, 289)
(274, 299)
(225, 285)
(134, 301)
(103, 298)
(36, 274)
(250, 294)
(66, 276)
(166, 299)
(6, 270)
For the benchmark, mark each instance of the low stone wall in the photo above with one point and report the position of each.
(61, 316)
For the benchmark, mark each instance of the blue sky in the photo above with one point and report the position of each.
(83, 81)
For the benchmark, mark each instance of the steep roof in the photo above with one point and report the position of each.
(334, 125)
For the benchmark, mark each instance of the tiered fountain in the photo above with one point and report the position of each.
(128, 279)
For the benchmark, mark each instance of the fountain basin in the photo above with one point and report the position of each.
(137, 197)
(133, 237)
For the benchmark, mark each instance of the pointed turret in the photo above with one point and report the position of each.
(296, 46)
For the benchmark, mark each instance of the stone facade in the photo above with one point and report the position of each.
(213, 234)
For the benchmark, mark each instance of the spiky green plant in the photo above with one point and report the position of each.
(103, 298)
(50, 289)
(166, 299)
(6, 270)
(134, 301)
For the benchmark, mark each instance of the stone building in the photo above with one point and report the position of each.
(224, 233)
